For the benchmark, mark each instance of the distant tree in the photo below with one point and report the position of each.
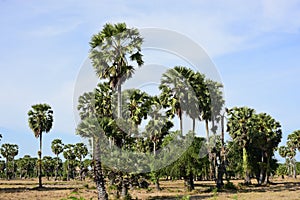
(289, 151)
(69, 155)
(26, 166)
(57, 147)
(49, 166)
(9, 151)
(40, 119)
(81, 152)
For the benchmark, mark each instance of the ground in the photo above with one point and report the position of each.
(26, 189)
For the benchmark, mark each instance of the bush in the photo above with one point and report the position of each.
(230, 186)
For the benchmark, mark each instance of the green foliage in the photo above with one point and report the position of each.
(40, 118)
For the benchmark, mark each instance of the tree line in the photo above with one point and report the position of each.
(76, 164)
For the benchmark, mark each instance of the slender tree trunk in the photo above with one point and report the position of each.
(194, 126)
(266, 178)
(210, 157)
(294, 167)
(157, 185)
(124, 191)
(40, 162)
(262, 169)
(99, 179)
(246, 167)
(119, 100)
(181, 126)
(56, 170)
(6, 166)
(154, 149)
(68, 171)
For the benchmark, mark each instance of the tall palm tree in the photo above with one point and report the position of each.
(174, 89)
(90, 128)
(110, 50)
(268, 136)
(241, 127)
(57, 147)
(40, 119)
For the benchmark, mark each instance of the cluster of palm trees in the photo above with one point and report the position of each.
(289, 152)
(114, 124)
(183, 92)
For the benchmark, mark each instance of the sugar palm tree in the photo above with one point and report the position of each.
(69, 155)
(268, 136)
(80, 151)
(241, 128)
(57, 147)
(9, 151)
(174, 89)
(111, 50)
(90, 128)
(40, 119)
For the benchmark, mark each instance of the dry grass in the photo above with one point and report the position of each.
(26, 189)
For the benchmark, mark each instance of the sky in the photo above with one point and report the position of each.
(254, 45)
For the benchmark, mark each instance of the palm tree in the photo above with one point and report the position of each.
(9, 151)
(40, 119)
(80, 151)
(268, 136)
(57, 147)
(110, 50)
(174, 90)
(89, 128)
(69, 155)
(289, 154)
(241, 128)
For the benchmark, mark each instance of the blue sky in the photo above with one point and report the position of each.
(255, 45)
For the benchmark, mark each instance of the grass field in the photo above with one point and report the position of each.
(26, 189)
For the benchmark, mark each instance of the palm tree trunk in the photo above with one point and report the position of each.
(294, 171)
(154, 149)
(6, 166)
(194, 125)
(40, 162)
(262, 169)
(119, 101)
(181, 126)
(246, 167)
(211, 165)
(56, 170)
(99, 179)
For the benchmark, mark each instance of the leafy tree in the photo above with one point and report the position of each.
(57, 148)
(40, 119)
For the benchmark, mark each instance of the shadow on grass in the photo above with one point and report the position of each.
(22, 189)
(192, 197)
